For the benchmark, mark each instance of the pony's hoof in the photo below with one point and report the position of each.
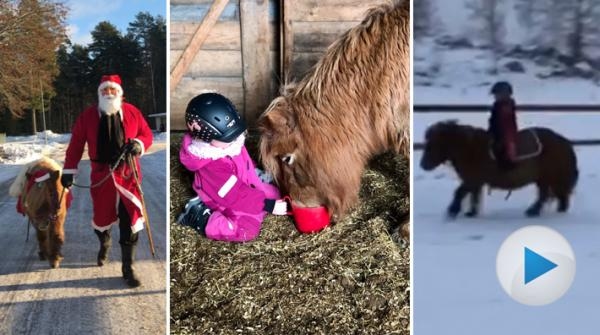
(471, 214)
(562, 208)
(532, 212)
(56, 262)
(453, 211)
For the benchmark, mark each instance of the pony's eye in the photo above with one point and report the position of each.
(288, 159)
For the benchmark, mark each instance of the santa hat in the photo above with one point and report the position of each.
(111, 80)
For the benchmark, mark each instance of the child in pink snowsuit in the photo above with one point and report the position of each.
(233, 200)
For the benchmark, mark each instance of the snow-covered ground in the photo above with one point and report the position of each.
(461, 76)
(22, 149)
(457, 75)
(455, 286)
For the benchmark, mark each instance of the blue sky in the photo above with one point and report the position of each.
(84, 15)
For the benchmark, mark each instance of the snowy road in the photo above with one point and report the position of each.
(455, 286)
(80, 297)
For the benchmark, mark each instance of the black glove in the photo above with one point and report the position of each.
(133, 148)
(66, 180)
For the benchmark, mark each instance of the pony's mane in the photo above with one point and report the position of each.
(342, 55)
(453, 126)
(16, 188)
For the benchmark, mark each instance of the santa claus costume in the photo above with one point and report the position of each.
(109, 128)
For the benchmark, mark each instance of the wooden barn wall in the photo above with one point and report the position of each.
(310, 26)
(219, 65)
(299, 32)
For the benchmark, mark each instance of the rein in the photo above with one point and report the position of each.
(108, 175)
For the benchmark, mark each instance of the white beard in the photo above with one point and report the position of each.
(109, 104)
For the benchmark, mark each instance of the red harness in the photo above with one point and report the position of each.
(38, 177)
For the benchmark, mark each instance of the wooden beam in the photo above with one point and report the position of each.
(196, 42)
(256, 60)
(287, 35)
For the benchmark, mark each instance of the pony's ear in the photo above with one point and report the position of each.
(277, 118)
(54, 175)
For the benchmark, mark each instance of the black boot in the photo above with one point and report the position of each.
(128, 253)
(105, 243)
(195, 215)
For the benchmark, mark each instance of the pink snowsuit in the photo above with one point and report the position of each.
(229, 186)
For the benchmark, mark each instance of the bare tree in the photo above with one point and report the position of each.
(422, 17)
(488, 15)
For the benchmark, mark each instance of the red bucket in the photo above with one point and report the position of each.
(309, 219)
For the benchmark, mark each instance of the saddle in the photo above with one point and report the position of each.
(528, 145)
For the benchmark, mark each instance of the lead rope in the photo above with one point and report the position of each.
(28, 224)
(108, 175)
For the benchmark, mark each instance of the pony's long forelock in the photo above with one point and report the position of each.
(16, 188)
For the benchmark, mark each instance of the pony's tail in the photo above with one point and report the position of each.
(574, 178)
(574, 173)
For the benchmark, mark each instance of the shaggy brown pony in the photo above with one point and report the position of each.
(467, 148)
(318, 136)
(42, 207)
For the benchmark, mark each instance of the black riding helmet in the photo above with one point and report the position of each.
(502, 87)
(217, 117)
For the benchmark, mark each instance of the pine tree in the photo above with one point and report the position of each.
(30, 33)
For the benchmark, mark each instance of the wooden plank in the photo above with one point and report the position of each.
(213, 63)
(302, 62)
(332, 10)
(232, 88)
(223, 36)
(317, 36)
(189, 2)
(200, 35)
(287, 36)
(196, 12)
(256, 60)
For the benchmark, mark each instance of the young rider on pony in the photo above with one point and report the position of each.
(503, 125)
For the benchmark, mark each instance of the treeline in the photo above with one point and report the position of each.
(569, 27)
(139, 57)
(69, 79)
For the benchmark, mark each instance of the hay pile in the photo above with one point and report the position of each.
(352, 278)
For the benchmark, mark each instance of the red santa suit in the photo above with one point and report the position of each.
(121, 186)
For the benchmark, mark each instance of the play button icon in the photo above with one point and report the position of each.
(535, 265)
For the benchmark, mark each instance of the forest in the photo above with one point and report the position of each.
(564, 30)
(45, 78)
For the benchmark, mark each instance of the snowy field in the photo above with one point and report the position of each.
(458, 75)
(456, 290)
(462, 77)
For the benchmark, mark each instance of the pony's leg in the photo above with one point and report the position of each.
(42, 244)
(536, 208)
(475, 202)
(56, 240)
(563, 203)
(459, 194)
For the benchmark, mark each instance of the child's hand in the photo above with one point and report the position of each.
(281, 208)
